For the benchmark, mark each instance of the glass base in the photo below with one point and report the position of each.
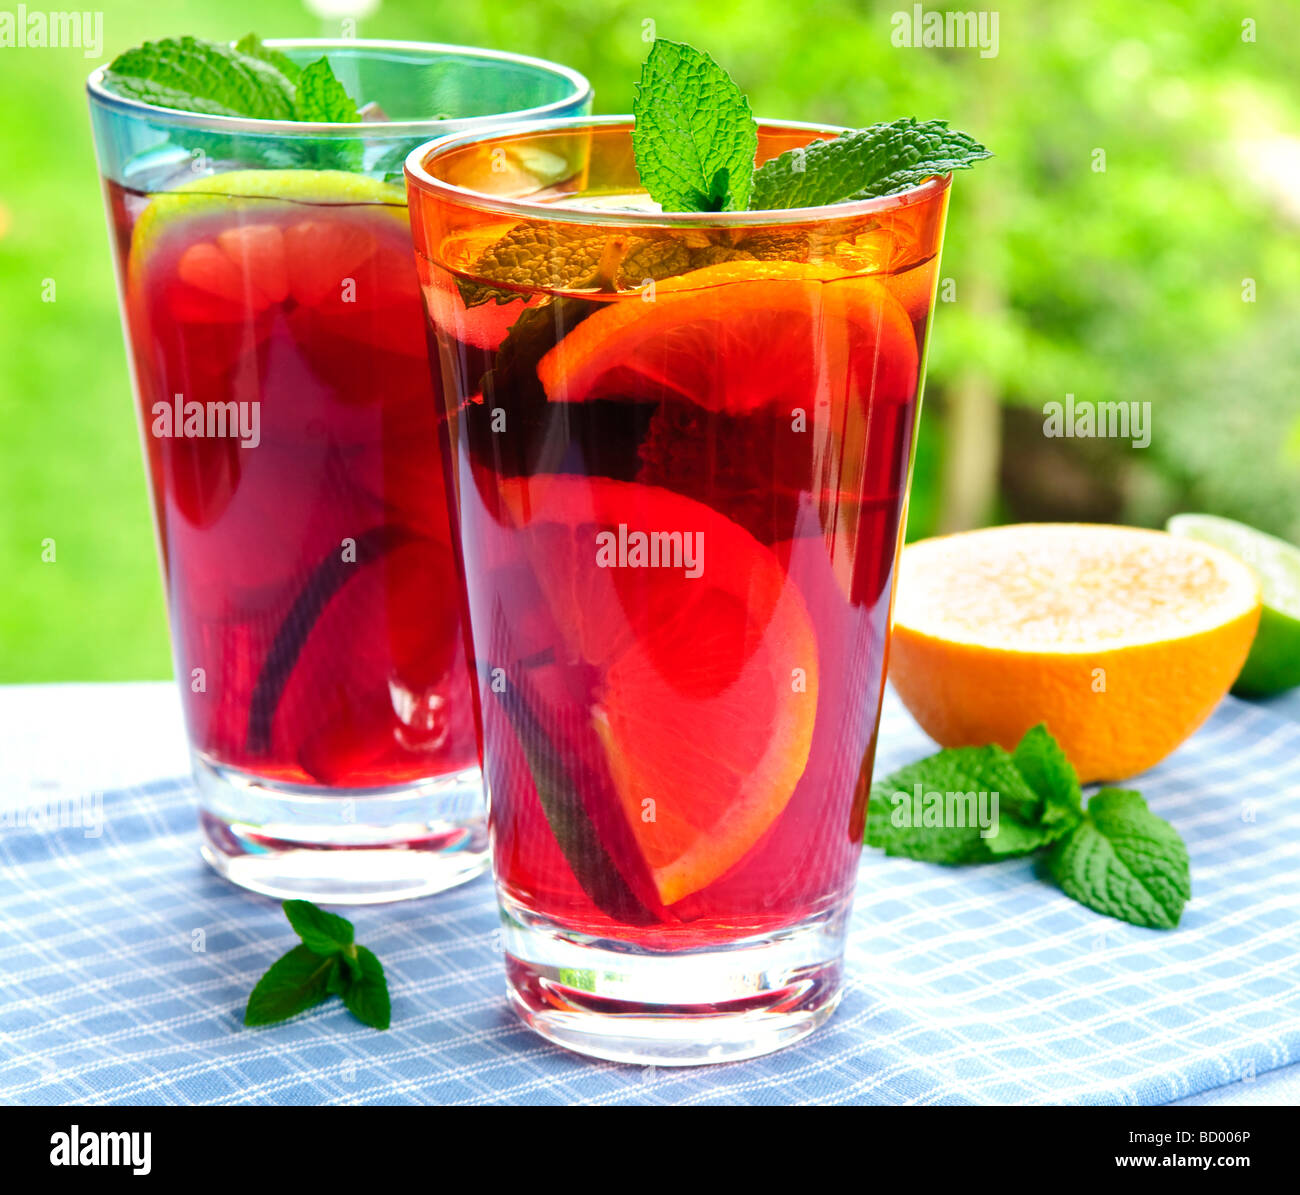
(721, 1003)
(353, 847)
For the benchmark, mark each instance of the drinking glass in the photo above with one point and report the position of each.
(279, 362)
(680, 448)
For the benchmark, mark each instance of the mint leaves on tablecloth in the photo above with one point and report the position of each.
(1020, 829)
(1039, 759)
(296, 982)
(325, 933)
(1122, 860)
(1115, 856)
(327, 963)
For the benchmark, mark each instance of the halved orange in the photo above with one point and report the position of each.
(1121, 640)
(702, 690)
(738, 336)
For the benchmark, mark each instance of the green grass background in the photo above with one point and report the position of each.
(1112, 286)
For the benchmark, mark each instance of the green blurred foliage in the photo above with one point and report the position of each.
(1115, 285)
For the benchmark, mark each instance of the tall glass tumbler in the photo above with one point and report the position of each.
(280, 367)
(681, 447)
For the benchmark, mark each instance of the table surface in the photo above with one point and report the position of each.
(71, 739)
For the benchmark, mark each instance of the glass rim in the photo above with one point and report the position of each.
(417, 173)
(582, 92)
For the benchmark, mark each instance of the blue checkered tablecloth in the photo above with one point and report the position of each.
(125, 964)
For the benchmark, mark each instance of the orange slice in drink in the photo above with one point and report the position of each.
(702, 688)
(739, 336)
(913, 288)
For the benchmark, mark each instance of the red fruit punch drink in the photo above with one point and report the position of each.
(681, 446)
(306, 550)
(291, 436)
(239, 307)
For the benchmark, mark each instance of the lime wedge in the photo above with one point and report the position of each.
(1274, 660)
(215, 192)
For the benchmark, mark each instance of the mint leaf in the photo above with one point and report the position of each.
(251, 80)
(203, 76)
(878, 160)
(365, 992)
(1115, 857)
(338, 980)
(1039, 759)
(298, 981)
(694, 138)
(328, 963)
(253, 46)
(941, 809)
(322, 932)
(1124, 861)
(321, 97)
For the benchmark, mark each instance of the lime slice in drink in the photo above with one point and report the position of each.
(1274, 660)
(213, 193)
(328, 250)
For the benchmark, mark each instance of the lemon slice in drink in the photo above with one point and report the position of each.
(1274, 660)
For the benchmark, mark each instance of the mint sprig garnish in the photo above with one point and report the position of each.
(695, 141)
(871, 162)
(253, 46)
(251, 80)
(1116, 856)
(327, 963)
(321, 97)
(694, 136)
(247, 79)
(203, 76)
